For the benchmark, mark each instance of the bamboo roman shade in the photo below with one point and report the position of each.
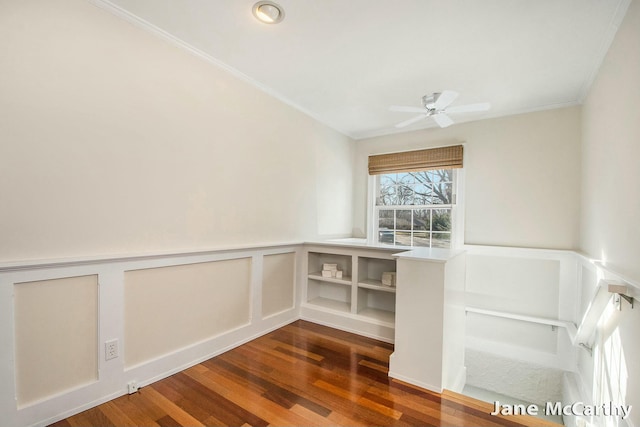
(420, 160)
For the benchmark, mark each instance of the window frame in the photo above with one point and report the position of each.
(457, 210)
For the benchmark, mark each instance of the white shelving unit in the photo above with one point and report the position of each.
(357, 302)
(424, 316)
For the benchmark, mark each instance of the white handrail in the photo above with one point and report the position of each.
(579, 336)
(570, 327)
(593, 313)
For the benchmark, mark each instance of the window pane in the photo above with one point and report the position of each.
(386, 236)
(441, 175)
(422, 194)
(405, 178)
(403, 220)
(403, 238)
(421, 177)
(405, 195)
(441, 220)
(388, 195)
(385, 219)
(442, 194)
(388, 179)
(441, 240)
(421, 220)
(421, 239)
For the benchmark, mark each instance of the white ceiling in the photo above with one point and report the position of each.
(344, 62)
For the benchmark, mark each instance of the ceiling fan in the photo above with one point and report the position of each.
(436, 106)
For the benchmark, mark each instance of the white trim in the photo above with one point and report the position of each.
(78, 409)
(414, 382)
(371, 226)
(605, 43)
(143, 256)
(624, 278)
(460, 381)
(158, 32)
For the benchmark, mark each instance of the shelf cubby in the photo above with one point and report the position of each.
(334, 296)
(370, 272)
(376, 304)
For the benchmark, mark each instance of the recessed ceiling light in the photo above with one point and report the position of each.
(268, 12)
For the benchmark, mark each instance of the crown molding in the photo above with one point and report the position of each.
(159, 32)
(606, 41)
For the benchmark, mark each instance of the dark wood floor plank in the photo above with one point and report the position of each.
(172, 410)
(254, 402)
(301, 374)
(113, 411)
(94, 417)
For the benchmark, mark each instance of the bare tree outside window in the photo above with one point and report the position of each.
(414, 208)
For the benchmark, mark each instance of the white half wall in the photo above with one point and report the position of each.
(165, 313)
(115, 141)
(522, 176)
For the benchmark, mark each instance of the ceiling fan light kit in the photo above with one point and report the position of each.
(436, 105)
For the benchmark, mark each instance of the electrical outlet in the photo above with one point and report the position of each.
(111, 349)
(132, 387)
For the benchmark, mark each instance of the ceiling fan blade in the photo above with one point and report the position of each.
(470, 108)
(411, 120)
(403, 109)
(445, 99)
(442, 120)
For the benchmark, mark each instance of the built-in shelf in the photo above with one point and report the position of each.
(344, 307)
(380, 315)
(346, 280)
(358, 301)
(376, 285)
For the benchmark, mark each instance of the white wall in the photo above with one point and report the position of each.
(522, 185)
(610, 220)
(610, 227)
(115, 141)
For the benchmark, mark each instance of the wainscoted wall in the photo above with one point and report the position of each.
(515, 357)
(166, 313)
(534, 282)
(536, 362)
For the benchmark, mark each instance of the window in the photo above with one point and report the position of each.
(413, 197)
(415, 208)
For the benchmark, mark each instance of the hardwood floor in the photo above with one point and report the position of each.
(300, 375)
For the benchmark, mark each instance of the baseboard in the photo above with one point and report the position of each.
(416, 383)
(460, 381)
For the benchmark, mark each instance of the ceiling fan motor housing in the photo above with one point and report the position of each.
(429, 100)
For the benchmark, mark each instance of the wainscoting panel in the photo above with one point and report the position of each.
(278, 283)
(517, 285)
(169, 308)
(56, 336)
